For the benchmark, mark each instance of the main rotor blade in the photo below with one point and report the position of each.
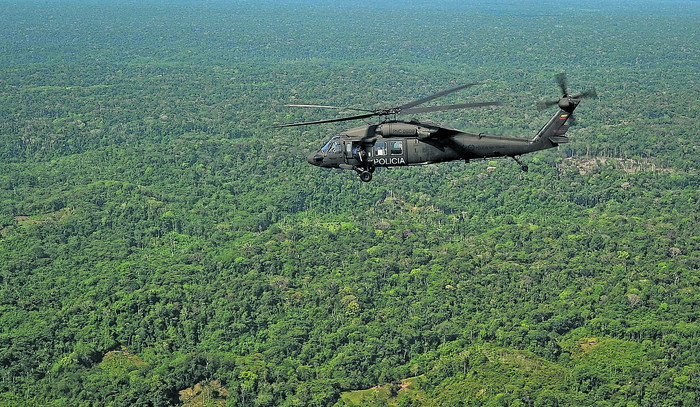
(331, 107)
(341, 119)
(447, 107)
(435, 96)
(401, 110)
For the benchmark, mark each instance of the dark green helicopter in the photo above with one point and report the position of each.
(392, 143)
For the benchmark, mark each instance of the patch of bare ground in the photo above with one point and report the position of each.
(587, 165)
(212, 394)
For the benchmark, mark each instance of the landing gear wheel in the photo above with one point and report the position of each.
(366, 176)
(520, 163)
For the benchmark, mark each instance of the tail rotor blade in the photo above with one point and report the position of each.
(561, 80)
(591, 93)
(546, 104)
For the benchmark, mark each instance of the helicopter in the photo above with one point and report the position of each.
(393, 143)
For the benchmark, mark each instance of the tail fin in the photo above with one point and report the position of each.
(553, 133)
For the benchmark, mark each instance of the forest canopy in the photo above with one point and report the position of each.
(162, 244)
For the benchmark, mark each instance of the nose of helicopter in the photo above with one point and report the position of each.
(315, 159)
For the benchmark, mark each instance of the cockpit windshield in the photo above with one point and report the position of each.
(330, 143)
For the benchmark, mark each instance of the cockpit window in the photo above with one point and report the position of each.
(335, 148)
(330, 142)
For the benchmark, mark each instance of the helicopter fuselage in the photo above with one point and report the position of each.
(393, 143)
(403, 143)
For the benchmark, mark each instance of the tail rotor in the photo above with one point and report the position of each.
(566, 99)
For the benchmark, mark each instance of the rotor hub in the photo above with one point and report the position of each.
(568, 103)
(564, 103)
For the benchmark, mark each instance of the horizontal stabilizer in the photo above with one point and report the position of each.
(558, 139)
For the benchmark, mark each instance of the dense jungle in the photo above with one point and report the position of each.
(161, 243)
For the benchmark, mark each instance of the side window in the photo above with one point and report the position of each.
(396, 148)
(380, 148)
